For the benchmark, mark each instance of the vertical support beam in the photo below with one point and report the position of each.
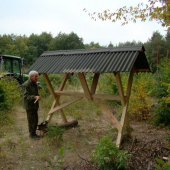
(94, 83)
(56, 99)
(120, 88)
(49, 85)
(63, 82)
(85, 86)
(124, 117)
(128, 93)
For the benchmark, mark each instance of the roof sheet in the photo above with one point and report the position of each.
(102, 60)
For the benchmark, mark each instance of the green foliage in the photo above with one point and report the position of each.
(162, 114)
(55, 134)
(140, 103)
(162, 109)
(66, 42)
(155, 50)
(107, 156)
(59, 159)
(9, 96)
(162, 165)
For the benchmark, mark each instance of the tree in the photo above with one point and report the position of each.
(37, 44)
(167, 38)
(151, 10)
(66, 42)
(155, 50)
(21, 46)
(93, 45)
(7, 44)
(110, 45)
(128, 43)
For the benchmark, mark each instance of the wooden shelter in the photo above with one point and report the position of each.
(95, 61)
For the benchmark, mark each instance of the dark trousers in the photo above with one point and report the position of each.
(32, 116)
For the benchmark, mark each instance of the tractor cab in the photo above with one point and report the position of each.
(11, 66)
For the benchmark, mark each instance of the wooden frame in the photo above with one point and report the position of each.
(90, 95)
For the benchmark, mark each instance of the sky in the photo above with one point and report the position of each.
(24, 17)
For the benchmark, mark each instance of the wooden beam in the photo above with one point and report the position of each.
(128, 93)
(85, 86)
(62, 106)
(63, 82)
(143, 70)
(56, 98)
(49, 85)
(110, 115)
(94, 83)
(73, 94)
(95, 96)
(120, 88)
(124, 117)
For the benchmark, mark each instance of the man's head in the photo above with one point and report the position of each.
(33, 76)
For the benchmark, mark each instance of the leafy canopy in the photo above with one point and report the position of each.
(155, 9)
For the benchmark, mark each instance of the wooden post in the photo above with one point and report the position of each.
(124, 117)
(128, 93)
(94, 83)
(85, 86)
(56, 98)
(120, 88)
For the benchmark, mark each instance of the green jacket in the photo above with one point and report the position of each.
(30, 90)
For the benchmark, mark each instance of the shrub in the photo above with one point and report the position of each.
(162, 109)
(162, 114)
(9, 96)
(107, 156)
(54, 134)
(140, 103)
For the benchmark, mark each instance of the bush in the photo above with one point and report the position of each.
(162, 109)
(9, 96)
(140, 103)
(108, 157)
(162, 114)
(54, 134)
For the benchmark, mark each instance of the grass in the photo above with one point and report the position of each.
(18, 152)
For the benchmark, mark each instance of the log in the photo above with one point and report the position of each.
(69, 125)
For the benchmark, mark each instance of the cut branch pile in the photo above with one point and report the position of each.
(144, 153)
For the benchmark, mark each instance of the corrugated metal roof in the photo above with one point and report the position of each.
(102, 60)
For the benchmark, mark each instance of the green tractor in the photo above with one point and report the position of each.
(12, 66)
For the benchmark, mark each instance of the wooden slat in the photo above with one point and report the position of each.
(85, 86)
(110, 115)
(63, 105)
(94, 83)
(95, 96)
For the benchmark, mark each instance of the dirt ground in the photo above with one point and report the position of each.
(18, 152)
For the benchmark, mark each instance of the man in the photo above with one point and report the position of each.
(30, 103)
